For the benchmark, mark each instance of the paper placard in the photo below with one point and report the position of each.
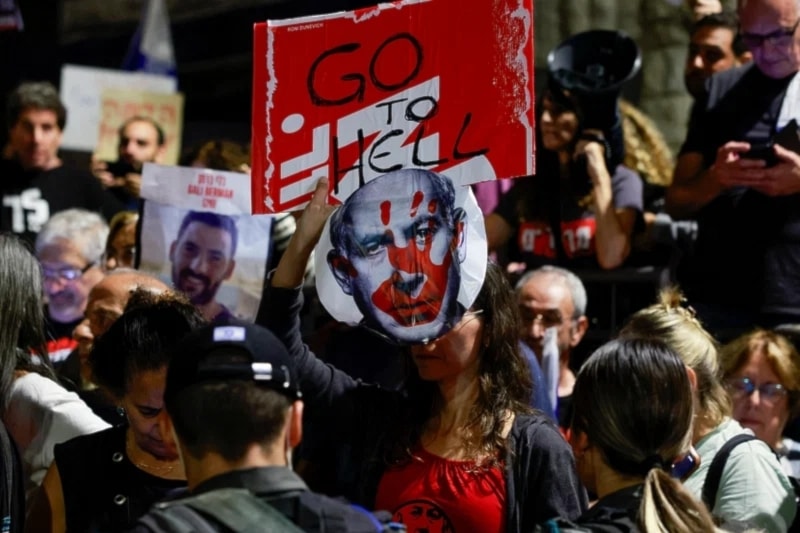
(200, 189)
(199, 259)
(118, 105)
(81, 91)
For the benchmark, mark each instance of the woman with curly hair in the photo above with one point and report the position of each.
(753, 488)
(646, 150)
(458, 442)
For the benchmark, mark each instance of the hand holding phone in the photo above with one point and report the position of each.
(788, 137)
(120, 168)
(765, 152)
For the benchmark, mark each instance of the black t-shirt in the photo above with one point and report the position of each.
(550, 223)
(745, 256)
(29, 199)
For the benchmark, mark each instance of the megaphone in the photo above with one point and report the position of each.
(591, 67)
(595, 62)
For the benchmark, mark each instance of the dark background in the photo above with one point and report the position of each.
(213, 55)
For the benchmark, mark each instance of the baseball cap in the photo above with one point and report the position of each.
(227, 351)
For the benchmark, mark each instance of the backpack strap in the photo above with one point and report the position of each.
(176, 519)
(236, 509)
(714, 475)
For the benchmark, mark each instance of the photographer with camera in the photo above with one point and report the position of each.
(580, 209)
(738, 174)
(141, 140)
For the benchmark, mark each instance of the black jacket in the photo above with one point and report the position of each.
(287, 493)
(614, 513)
(541, 480)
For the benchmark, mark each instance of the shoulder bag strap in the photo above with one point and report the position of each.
(711, 484)
(240, 510)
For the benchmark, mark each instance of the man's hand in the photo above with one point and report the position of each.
(133, 184)
(730, 169)
(782, 179)
(100, 171)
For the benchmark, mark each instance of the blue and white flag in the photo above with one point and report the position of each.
(151, 47)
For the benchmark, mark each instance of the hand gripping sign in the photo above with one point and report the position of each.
(409, 84)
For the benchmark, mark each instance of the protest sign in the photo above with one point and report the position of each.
(206, 245)
(356, 95)
(405, 256)
(118, 105)
(200, 189)
(81, 92)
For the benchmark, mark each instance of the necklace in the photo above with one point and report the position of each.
(154, 469)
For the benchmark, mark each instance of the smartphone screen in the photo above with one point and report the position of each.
(765, 152)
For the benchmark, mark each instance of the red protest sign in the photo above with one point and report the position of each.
(355, 95)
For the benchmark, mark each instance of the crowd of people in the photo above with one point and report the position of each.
(127, 404)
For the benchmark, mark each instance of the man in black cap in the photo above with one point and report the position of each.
(234, 408)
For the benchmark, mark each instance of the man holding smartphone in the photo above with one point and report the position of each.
(141, 140)
(745, 268)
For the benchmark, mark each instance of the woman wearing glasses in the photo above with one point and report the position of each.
(457, 446)
(762, 372)
(753, 488)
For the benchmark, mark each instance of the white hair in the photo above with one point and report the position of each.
(573, 283)
(87, 230)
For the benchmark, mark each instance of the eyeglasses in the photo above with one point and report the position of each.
(780, 38)
(66, 274)
(468, 315)
(744, 387)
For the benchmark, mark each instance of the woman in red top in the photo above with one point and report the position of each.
(456, 449)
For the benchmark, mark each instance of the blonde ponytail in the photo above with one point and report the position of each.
(667, 507)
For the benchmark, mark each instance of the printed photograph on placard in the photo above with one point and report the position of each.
(217, 260)
(404, 256)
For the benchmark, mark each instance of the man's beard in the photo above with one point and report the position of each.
(203, 297)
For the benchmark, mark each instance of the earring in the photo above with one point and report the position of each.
(121, 411)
